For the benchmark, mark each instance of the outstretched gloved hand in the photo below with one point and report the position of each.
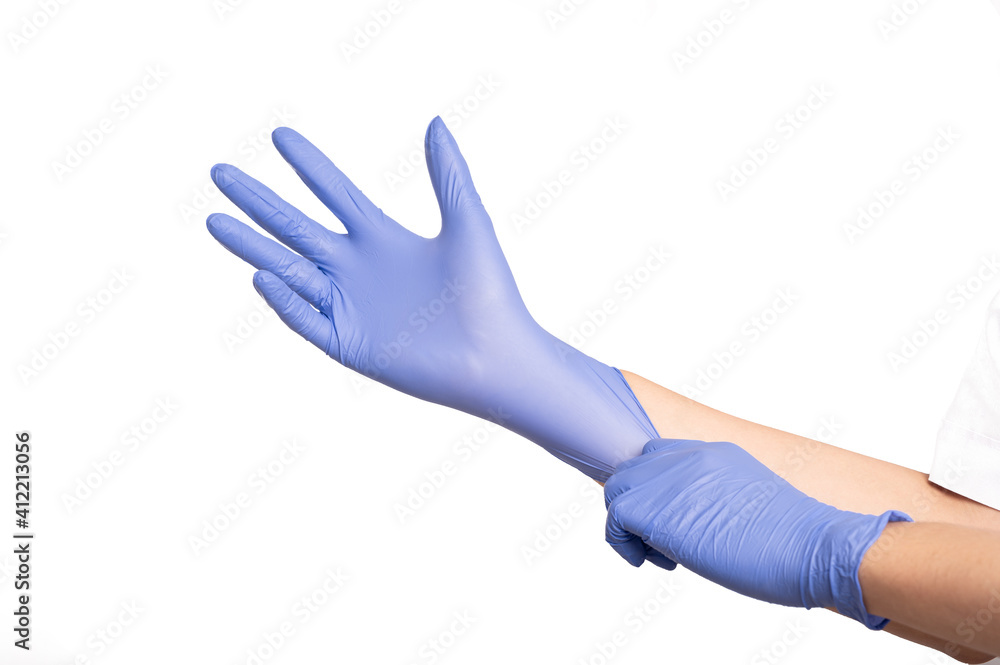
(438, 318)
(716, 510)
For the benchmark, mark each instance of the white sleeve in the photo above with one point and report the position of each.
(967, 456)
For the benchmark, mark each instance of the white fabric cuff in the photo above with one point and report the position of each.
(967, 463)
(967, 457)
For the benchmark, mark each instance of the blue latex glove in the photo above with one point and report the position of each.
(438, 318)
(716, 510)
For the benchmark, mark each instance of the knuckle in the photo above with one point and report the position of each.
(295, 229)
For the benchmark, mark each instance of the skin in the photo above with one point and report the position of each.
(940, 579)
(950, 531)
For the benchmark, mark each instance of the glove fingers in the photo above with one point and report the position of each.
(629, 546)
(660, 444)
(657, 558)
(297, 313)
(264, 254)
(456, 194)
(274, 215)
(327, 182)
(647, 456)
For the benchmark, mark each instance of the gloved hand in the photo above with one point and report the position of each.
(716, 510)
(438, 318)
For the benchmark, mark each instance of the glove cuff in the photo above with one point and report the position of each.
(844, 584)
(577, 408)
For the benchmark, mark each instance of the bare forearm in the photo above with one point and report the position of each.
(941, 579)
(841, 478)
(961, 653)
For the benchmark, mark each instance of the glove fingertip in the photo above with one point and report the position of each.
(660, 444)
(436, 129)
(441, 152)
(283, 135)
(658, 559)
(652, 446)
(221, 175)
(217, 223)
(262, 282)
(627, 544)
(632, 550)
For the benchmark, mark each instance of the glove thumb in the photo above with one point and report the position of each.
(456, 194)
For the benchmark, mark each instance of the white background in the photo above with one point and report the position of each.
(138, 199)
